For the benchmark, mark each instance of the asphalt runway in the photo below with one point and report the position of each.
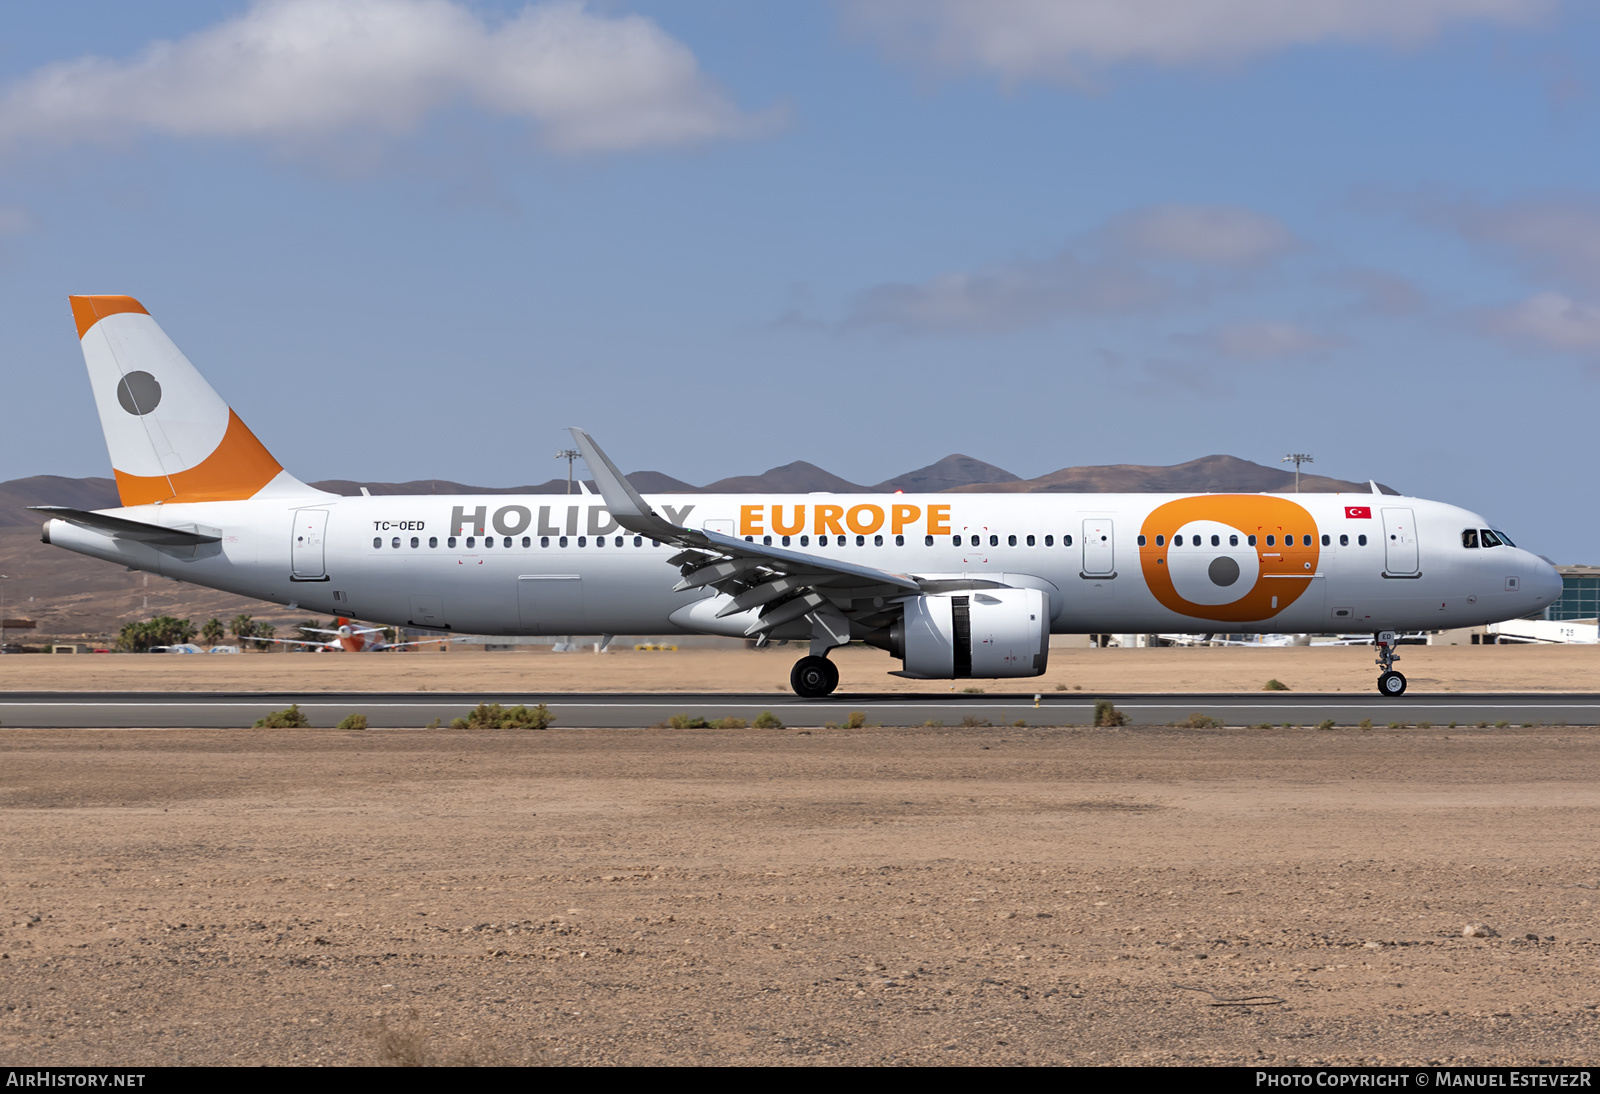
(410, 710)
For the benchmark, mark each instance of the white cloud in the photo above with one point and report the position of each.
(1554, 237)
(1008, 297)
(1109, 271)
(289, 71)
(1264, 341)
(1067, 39)
(1203, 234)
(1551, 320)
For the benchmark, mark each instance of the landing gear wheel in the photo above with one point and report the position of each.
(1391, 684)
(814, 677)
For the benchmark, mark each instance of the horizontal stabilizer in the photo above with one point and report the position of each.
(153, 534)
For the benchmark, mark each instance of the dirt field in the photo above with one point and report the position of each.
(876, 896)
(1112, 671)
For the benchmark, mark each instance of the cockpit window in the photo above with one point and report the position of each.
(1505, 539)
(1489, 538)
(1469, 537)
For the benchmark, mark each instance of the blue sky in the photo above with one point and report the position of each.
(410, 239)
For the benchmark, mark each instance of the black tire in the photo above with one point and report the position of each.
(1391, 684)
(813, 677)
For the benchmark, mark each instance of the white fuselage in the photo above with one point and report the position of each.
(551, 565)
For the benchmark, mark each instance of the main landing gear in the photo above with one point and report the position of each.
(1390, 683)
(814, 677)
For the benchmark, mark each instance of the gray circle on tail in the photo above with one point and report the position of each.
(1223, 571)
(139, 393)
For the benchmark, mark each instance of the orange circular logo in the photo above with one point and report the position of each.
(1238, 558)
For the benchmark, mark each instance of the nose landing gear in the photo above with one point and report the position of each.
(1390, 683)
(814, 677)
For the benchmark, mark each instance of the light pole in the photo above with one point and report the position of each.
(1297, 458)
(568, 454)
(3, 577)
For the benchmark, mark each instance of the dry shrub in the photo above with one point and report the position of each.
(495, 716)
(290, 717)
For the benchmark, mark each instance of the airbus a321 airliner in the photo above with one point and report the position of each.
(953, 585)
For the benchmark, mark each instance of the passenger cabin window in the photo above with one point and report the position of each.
(527, 541)
(638, 541)
(805, 541)
(433, 541)
(1233, 541)
(1469, 538)
(562, 542)
(1344, 541)
(1161, 541)
(471, 540)
(1272, 541)
(1049, 541)
(766, 541)
(899, 541)
(994, 541)
(544, 541)
(1011, 541)
(1030, 541)
(1327, 541)
(1251, 540)
(786, 541)
(861, 541)
(877, 541)
(415, 542)
(488, 541)
(1488, 538)
(1216, 541)
(377, 541)
(1066, 541)
(927, 541)
(451, 542)
(1361, 541)
(1141, 541)
(1177, 541)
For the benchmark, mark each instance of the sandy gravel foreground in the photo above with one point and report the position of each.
(862, 670)
(877, 896)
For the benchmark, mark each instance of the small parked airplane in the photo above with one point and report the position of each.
(954, 585)
(350, 638)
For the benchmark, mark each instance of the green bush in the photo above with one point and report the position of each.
(290, 717)
(729, 722)
(684, 721)
(768, 720)
(972, 691)
(163, 630)
(858, 719)
(1106, 714)
(353, 721)
(1326, 723)
(495, 716)
(1274, 685)
(1200, 721)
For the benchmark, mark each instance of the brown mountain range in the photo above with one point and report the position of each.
(1215, 474)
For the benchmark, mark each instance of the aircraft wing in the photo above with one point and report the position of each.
(785, 584)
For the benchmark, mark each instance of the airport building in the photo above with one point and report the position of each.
(1580, 594)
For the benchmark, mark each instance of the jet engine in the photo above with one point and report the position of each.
(982, 633)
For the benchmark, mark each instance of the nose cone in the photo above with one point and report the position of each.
(1545, 582)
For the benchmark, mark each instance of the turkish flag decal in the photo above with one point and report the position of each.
(1358, 512)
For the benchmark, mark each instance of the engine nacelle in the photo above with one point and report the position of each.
(984, 633)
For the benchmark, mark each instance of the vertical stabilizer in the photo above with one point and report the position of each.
(171, 437)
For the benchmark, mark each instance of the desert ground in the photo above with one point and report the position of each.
(804, 896)
(862, 670)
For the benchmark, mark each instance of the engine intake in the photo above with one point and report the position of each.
(990, 634)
